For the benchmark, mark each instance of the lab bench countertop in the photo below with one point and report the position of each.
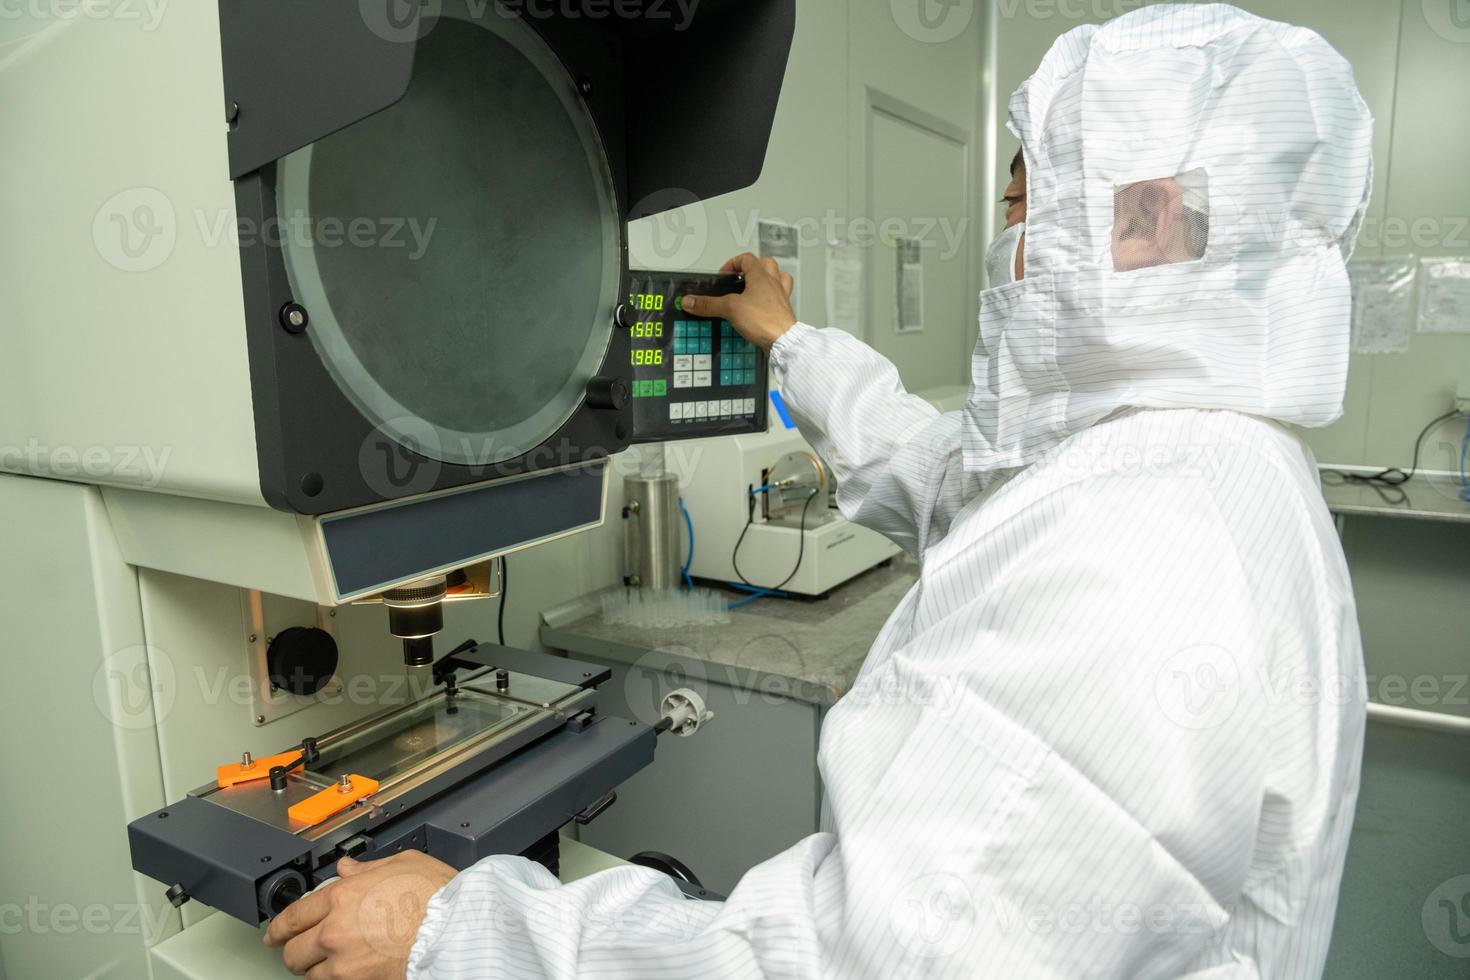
(808, 650)
(1419, 499)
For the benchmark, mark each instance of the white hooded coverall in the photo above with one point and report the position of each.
(1115, 729)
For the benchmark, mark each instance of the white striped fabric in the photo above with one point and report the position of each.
(1114, 731)
(1260, 324)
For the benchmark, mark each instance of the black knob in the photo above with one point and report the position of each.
(294, 318)
(280, 890)
(278, 777)
(623, 316)
(608, 393)
(301, 660)
(176, 895)
(502, 681)
(284, 894)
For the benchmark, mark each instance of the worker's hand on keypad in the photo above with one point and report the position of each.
(762, 313)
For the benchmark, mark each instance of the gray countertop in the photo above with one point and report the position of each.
(809, 650)
(1422, 499)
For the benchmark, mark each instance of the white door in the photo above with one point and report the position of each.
(915, 103)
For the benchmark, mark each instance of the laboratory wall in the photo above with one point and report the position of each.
(878, 138)
(1412, 63)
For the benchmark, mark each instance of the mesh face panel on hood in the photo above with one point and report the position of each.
(1245, 138)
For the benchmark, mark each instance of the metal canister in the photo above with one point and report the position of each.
(651, 535)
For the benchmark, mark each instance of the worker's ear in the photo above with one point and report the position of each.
(1146, 220)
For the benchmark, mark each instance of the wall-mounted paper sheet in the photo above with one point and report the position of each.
(1383, 303)
(910, 287)
(782, 242)
(845, 287)
(1444, 297)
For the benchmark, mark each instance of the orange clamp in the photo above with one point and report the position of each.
(334, 799)
(259, 769)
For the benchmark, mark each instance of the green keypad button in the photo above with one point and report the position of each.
(660, 388)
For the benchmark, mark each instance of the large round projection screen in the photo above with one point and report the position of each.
(459, 252)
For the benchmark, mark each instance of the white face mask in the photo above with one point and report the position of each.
(1000, 258)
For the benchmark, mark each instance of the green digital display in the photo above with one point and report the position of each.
(689, 375)
(647, 302)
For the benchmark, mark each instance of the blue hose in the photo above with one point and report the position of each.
(756, 592)
(1464, 477)
(689, 560)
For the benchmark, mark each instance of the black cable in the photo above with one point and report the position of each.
(800, 548)
(504, 591)
(1389, 482)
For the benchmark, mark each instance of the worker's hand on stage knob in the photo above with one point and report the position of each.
(362, 926)
(763, 312)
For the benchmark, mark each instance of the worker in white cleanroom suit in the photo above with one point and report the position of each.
(1115, 729)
